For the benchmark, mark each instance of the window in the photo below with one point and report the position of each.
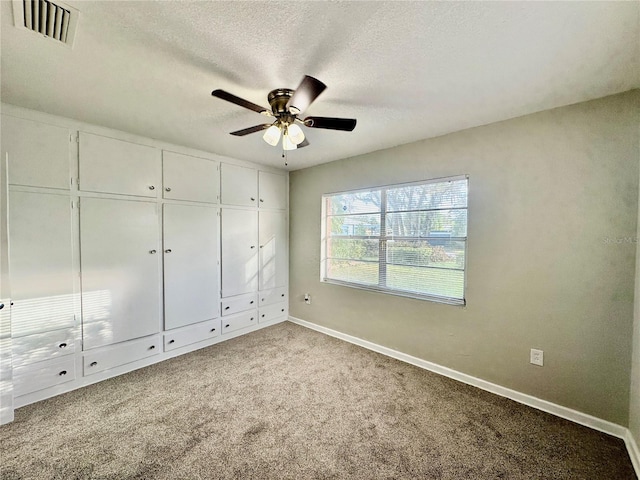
(408, 239)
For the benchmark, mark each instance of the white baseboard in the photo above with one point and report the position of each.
(544, 405)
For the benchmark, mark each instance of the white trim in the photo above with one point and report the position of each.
(529, 400)
(634, 451)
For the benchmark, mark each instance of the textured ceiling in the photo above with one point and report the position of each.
(405, 70)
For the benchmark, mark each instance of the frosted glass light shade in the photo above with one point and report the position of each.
(272, 135)
(295, 133)
(287, 144)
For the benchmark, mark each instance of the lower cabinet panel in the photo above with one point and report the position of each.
(116, 355)
(192, 334)
(31, 378)
(237, 322)
(42, 346)
(272, 312)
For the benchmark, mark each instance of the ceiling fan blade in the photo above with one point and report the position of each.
(305, 94)
(346, 124)
(247, 131)
(304, 143)
(240, 101)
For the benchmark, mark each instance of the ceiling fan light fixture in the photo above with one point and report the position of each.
(287, 143)
(295, 133)
(272, 135)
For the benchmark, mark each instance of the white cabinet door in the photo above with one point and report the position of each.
(191, 292)
(113, 166)
(40, 262)
(120, 262)
(273, 249)
(273, 190)
(38, 153)
(190, 178)
(239, 185)
(239, 251)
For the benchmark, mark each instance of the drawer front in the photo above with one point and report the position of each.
(272, 312)
(114, 356)
(237, 322)
(241, 303)
(43, 346)
(31, 378)
(275, 295)
(191, 334)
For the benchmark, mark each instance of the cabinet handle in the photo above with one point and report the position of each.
(168, 250)
(171, 341)
(226, 326)
(226, 308)
(251, 318)
(213, 329)
(253, 246)
(251, 302)
(282, 310)
(63, 373)
(62, 345)
(93, 364)
(253, 199)
(261, 201)
(282, 295)
(168, 189)
(1, 306)
(261, 246)
(151, 187)
(152, 252)
(152, 347)
(263, 315)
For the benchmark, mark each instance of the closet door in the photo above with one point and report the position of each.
(273, 190)
(239, 251)
(191, 291)
(120, 263)
(273, 249)
(40, 262)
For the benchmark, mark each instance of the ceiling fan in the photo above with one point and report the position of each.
(286, 105)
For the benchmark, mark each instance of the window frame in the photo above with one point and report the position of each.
(381, 237)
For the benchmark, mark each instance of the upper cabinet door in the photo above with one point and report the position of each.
(40, 262)
(273, 190)
(191, 291)
(190, 178)
(108, 165)
(239, 185)
(38, 153)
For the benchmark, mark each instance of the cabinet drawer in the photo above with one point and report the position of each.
(31, 378)
(237, 304)
(191, 334)
(243, 320)
(43, 346)
(272, 312)
(110, 357)
(275, 295)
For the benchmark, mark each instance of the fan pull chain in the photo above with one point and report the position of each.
(284, 155)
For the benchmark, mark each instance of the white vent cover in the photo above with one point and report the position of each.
(53, 20)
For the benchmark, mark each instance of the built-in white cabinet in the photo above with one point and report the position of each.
(40, 262)
(273, 238)
(239, 185)
(272, 190)
(239, 251)
(191, 291)
(109, 165)
(120, 260)
(38, 153)
(190, 178)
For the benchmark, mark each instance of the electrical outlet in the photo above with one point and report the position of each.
(537, 357)
(307, 298)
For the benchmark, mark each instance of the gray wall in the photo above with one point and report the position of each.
(634, 405)
(551, 195)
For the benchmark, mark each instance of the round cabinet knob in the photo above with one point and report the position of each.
(282, 310)
(260, 246)
(151, 187)
(168, 250)
(251, 302)
(253, 246)
(171, 341)
(152, 347)
(63, 373)
(93, 364)
(168, 189)
(62, 345)
(263, 315)
(282, 295)
(152, 252)
(251, 319)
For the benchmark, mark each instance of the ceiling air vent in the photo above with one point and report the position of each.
(53, 20)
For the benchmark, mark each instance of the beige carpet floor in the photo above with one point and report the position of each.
(290, 403)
